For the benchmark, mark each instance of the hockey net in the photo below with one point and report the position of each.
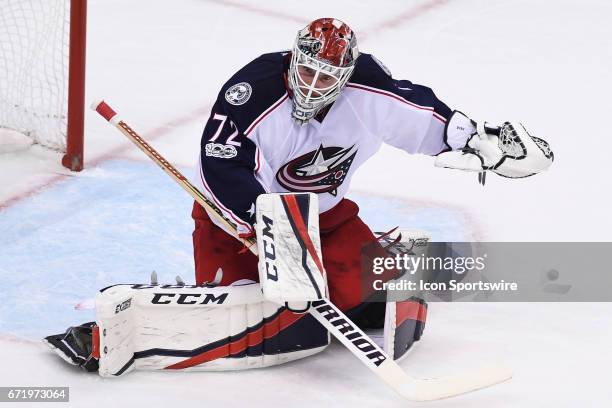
(42, 50)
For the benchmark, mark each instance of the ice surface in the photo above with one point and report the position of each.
(544, 63)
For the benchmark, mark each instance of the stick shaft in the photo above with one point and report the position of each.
(111, 116)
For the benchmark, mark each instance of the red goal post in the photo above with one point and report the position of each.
(42, 75)
(73, 158)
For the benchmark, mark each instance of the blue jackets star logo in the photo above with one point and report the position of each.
(319, 171)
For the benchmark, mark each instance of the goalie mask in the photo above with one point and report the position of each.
(322, 62)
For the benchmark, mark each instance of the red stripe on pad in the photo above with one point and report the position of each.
(294, 211)
(285, 319)
(409, 310)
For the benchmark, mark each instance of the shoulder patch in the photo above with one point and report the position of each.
(239, 94)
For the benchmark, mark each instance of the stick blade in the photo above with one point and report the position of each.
(429, 389)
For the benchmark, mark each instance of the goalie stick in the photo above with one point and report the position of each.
(334, 320)
(110, 115)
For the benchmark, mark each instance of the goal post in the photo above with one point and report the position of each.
(42, 75)
(73, 158)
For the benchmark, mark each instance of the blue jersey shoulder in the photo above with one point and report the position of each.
(370, 72)
(253, 89)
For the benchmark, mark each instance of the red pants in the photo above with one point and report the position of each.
(342, 236)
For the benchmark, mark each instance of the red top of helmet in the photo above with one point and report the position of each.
(329, 40)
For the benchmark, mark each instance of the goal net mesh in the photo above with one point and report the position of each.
(34, 69)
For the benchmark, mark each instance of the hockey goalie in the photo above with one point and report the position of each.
(283, 140)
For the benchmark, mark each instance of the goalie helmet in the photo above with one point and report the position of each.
(322, 62)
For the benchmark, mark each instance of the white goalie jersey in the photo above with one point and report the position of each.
(251, 145)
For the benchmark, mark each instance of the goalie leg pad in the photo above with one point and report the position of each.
(404, 325)
(405, 319)
(154, 327)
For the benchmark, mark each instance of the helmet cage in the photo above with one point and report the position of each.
(308, 99)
